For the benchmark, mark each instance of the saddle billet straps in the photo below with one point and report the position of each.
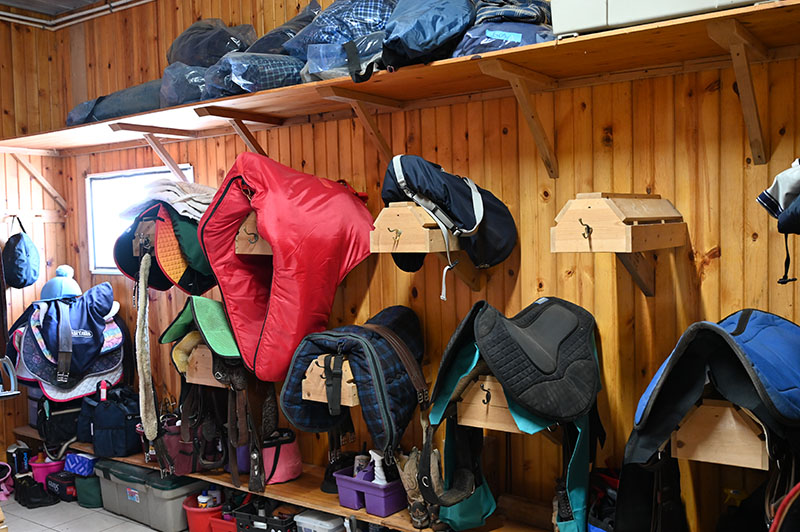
(409, 362)
(442, 219)
(64, 342)
(256, 482)
(333, 382)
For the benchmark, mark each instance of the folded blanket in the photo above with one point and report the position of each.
(188, 199)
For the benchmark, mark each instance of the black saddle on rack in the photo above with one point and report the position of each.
(544, 356)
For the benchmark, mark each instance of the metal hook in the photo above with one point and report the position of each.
(397, 233)
(253, 237)
(587, 229)
(488, 395)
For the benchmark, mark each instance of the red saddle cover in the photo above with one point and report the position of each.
(318, 231)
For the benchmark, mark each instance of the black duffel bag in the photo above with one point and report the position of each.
(111, 424)
(56, 422)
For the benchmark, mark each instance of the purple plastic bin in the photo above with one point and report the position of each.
(349, 488)
(357, 493)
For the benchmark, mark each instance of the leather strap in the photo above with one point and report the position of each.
(333, 382)
(64, 342)
(409, 362)
(256, 483)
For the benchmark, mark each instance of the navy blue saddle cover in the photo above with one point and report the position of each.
(62, 350)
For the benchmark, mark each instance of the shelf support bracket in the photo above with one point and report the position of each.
(35, 174)
(247, 136)
(732, 36)
(643, 270)
(155, 130)
(358, 101)
(236, 119)
(164, 155)
(524, 82)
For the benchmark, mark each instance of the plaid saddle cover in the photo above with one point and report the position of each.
(385, 390)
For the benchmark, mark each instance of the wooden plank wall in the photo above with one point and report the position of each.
(679, 136)
(20, 191)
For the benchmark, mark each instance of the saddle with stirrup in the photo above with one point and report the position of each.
(545, 359)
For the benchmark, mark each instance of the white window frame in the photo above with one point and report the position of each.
(187, 170)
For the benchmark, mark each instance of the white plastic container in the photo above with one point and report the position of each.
(314, 521)
(585, 16)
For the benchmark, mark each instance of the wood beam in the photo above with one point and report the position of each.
(523, 82)
(522, 92)
(247, 136)
(729, 32)
(643, 270)
(339, 94)
(236, 114)
(164, 155)
(372, 131)
(50, 189)
(156, 130)
(500, 69)
(742, 45)
(30, 151)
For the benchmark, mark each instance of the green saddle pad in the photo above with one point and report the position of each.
(208, 317)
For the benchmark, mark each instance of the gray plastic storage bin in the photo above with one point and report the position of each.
(141, 494)
(102, 468)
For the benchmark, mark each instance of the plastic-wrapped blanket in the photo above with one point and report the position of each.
(240, 72)
(272, 42)
(130, 101)
(328, 61)
(530, 11)
(492, 36)
(206, 41)
(342, 21)
(420, 32)
(182, 84)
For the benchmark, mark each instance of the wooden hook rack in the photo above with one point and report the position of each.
(314, 383)
(405, 227)
(248, 241)
(630, 225)
(720, 433)
(201, 368)
(732, 36)
(483, 405)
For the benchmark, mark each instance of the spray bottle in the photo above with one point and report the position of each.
(380, 474)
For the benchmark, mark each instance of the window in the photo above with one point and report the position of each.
(107, 196)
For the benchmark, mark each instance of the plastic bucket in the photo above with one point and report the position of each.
(199, 519)
(40, 471)
(218, 524)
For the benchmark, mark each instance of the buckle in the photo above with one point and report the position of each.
(422, 396)
(62, 376)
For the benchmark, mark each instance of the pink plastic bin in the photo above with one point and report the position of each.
(40, 471)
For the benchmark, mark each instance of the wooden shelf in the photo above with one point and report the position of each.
(303, 491)
(662, 48)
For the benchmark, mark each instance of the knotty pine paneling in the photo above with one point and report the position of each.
(679, 136)
(19, 191)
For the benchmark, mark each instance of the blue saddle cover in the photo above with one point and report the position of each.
(751, 357)
(87, 325)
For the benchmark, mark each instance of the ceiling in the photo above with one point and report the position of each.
(47, 7)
